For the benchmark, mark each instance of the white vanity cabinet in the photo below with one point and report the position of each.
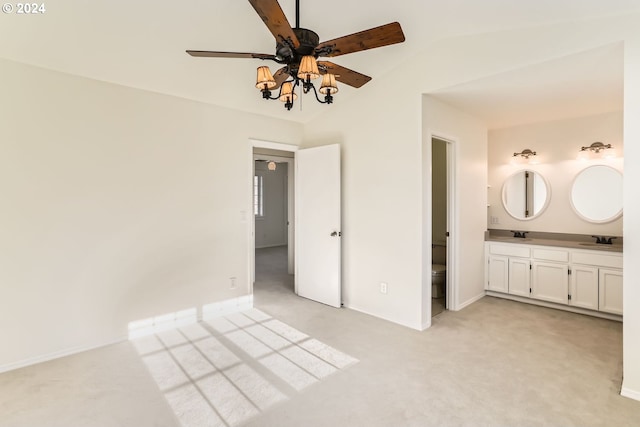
(550, 274)
(606, 271)
(508, 269)
(610, 292)
(584, 286)
(581, 280)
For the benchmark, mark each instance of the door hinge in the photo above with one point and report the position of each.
(569, 273)
(529, 290)
(530, 268)
(447, 234)
(569, 296)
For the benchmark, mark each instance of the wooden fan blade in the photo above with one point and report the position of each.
(375, 37)
(280, 76)
(212, 54)
(344, 75)
(272, 15)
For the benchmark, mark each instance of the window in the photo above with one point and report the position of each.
(258, 196)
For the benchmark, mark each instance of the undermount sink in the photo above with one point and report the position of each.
(594, 244)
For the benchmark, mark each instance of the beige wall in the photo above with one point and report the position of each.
(382, 126)
(469, 138)
(557, 144)
(117, 204)
(112, 211)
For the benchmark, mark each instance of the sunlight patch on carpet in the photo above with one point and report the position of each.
(226, 370)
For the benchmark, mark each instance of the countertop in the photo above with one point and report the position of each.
(573, 241)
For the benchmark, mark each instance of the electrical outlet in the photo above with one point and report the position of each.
(233, 282)
(383, 288)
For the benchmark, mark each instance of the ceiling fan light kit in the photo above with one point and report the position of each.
(299, 49)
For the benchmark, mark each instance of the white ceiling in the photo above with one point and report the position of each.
(141, 43)
(583, 84)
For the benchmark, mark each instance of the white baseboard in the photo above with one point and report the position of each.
(469, 302)
(562, 307)
(631, 394)
(271, 245)
(147, 327)
(351, 307)
(55, 355)
(230, 306)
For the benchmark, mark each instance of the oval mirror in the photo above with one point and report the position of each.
(596, 194)
(525, 194)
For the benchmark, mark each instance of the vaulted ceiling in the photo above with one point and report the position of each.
(142, 44)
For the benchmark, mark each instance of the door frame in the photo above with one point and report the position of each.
(452, 286)
(256, 143)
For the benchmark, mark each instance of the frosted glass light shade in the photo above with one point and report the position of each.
(308, 67)
(265, 77)
(329, 85)
(287, 92)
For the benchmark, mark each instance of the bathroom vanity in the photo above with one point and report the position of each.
(574, 272)
(579, 276)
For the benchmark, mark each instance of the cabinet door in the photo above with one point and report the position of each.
(584, 287)
(550, 282)
(519, 276)
(498, 273)
(610, 290)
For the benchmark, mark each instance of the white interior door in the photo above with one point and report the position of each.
(317, 227)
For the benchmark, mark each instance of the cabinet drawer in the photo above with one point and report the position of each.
(551, 255)
(602, 260)
(510, 250)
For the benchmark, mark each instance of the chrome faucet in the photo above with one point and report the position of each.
(519, 234)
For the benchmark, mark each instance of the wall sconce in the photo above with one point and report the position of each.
(596, 150)
(525, 155)
(271, 165)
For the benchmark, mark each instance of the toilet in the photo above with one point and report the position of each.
(438, 271)
(438, 280)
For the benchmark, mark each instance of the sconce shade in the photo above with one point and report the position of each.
(597, 150)
(271, 166)
(526, 153)
(308, 68)
(287, 94)
(265, 77)
(329, 85)
(596, 147)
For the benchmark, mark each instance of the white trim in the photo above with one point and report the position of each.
(562, 307)
(469, 302)
(56, 355)
(453, 287)
(274, 245)
(631, 394)
(172, 321)
(257, 143)
(351, 307)
(426, 324)
(226, 307)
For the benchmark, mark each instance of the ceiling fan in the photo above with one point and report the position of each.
(298, 50)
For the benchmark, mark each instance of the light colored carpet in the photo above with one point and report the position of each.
(495, 363)
(226, 370)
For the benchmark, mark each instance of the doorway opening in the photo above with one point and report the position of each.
(314, 217)
(439, 225)
(272, 197)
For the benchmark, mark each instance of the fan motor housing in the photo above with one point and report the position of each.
(308, 39)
